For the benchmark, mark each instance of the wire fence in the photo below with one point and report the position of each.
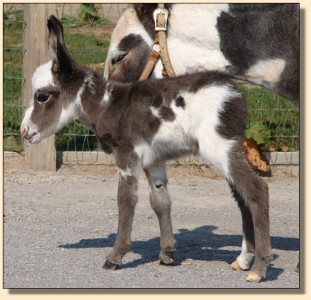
(12, 72)
(273, 121)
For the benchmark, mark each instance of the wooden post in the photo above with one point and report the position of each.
(43, 155)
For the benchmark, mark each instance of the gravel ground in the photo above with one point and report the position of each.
(59, 226)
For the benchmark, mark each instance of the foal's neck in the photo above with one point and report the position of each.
(89, 98)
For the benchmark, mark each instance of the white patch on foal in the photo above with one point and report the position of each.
(200, 120)
(155, 112)
(196, 123)
(245, 258)
(43, 76)
(78, 97)
(28, 125)
(69, 113)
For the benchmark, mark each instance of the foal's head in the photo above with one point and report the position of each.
(56, 86)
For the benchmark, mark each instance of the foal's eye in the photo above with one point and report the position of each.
(43, 97)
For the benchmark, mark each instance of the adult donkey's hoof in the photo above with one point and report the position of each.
(235, 266)
(253, 277)
(111, 266)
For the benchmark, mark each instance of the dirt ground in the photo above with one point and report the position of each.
(59, 226)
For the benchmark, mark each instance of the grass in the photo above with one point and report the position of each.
(273, 120)
(12, 83)
(87, 49)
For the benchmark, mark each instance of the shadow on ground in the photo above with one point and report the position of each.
(198, 244)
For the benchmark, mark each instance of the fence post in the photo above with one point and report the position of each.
(41, 156)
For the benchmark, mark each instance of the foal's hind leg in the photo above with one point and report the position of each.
(244, 260)
(161, 204)
(251, 193)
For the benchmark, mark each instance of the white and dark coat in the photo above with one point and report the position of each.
(143, 124)
(255, 42)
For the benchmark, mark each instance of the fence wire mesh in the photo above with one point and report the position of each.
(273, 121)
(13, 27)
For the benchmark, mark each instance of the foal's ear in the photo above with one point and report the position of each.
(58, 52)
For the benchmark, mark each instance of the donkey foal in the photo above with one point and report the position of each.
(143, 125)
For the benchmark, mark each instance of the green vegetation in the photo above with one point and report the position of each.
(88, 12)
(273, 121)
(12, 83)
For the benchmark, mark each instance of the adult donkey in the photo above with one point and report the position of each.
(258, 43)
(255, 42)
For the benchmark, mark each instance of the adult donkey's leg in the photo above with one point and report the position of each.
(251, 193)
(161, 204)
(127, 199)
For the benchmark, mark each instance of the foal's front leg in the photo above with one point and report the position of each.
(161, 204)
(127, 199)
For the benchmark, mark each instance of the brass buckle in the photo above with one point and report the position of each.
(155, 14)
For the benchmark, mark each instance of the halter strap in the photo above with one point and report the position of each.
(159, 48)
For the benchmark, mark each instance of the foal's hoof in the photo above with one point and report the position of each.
(235, 266)
(253, 277)
(168, 263)
(167, 259)
(111, 266)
